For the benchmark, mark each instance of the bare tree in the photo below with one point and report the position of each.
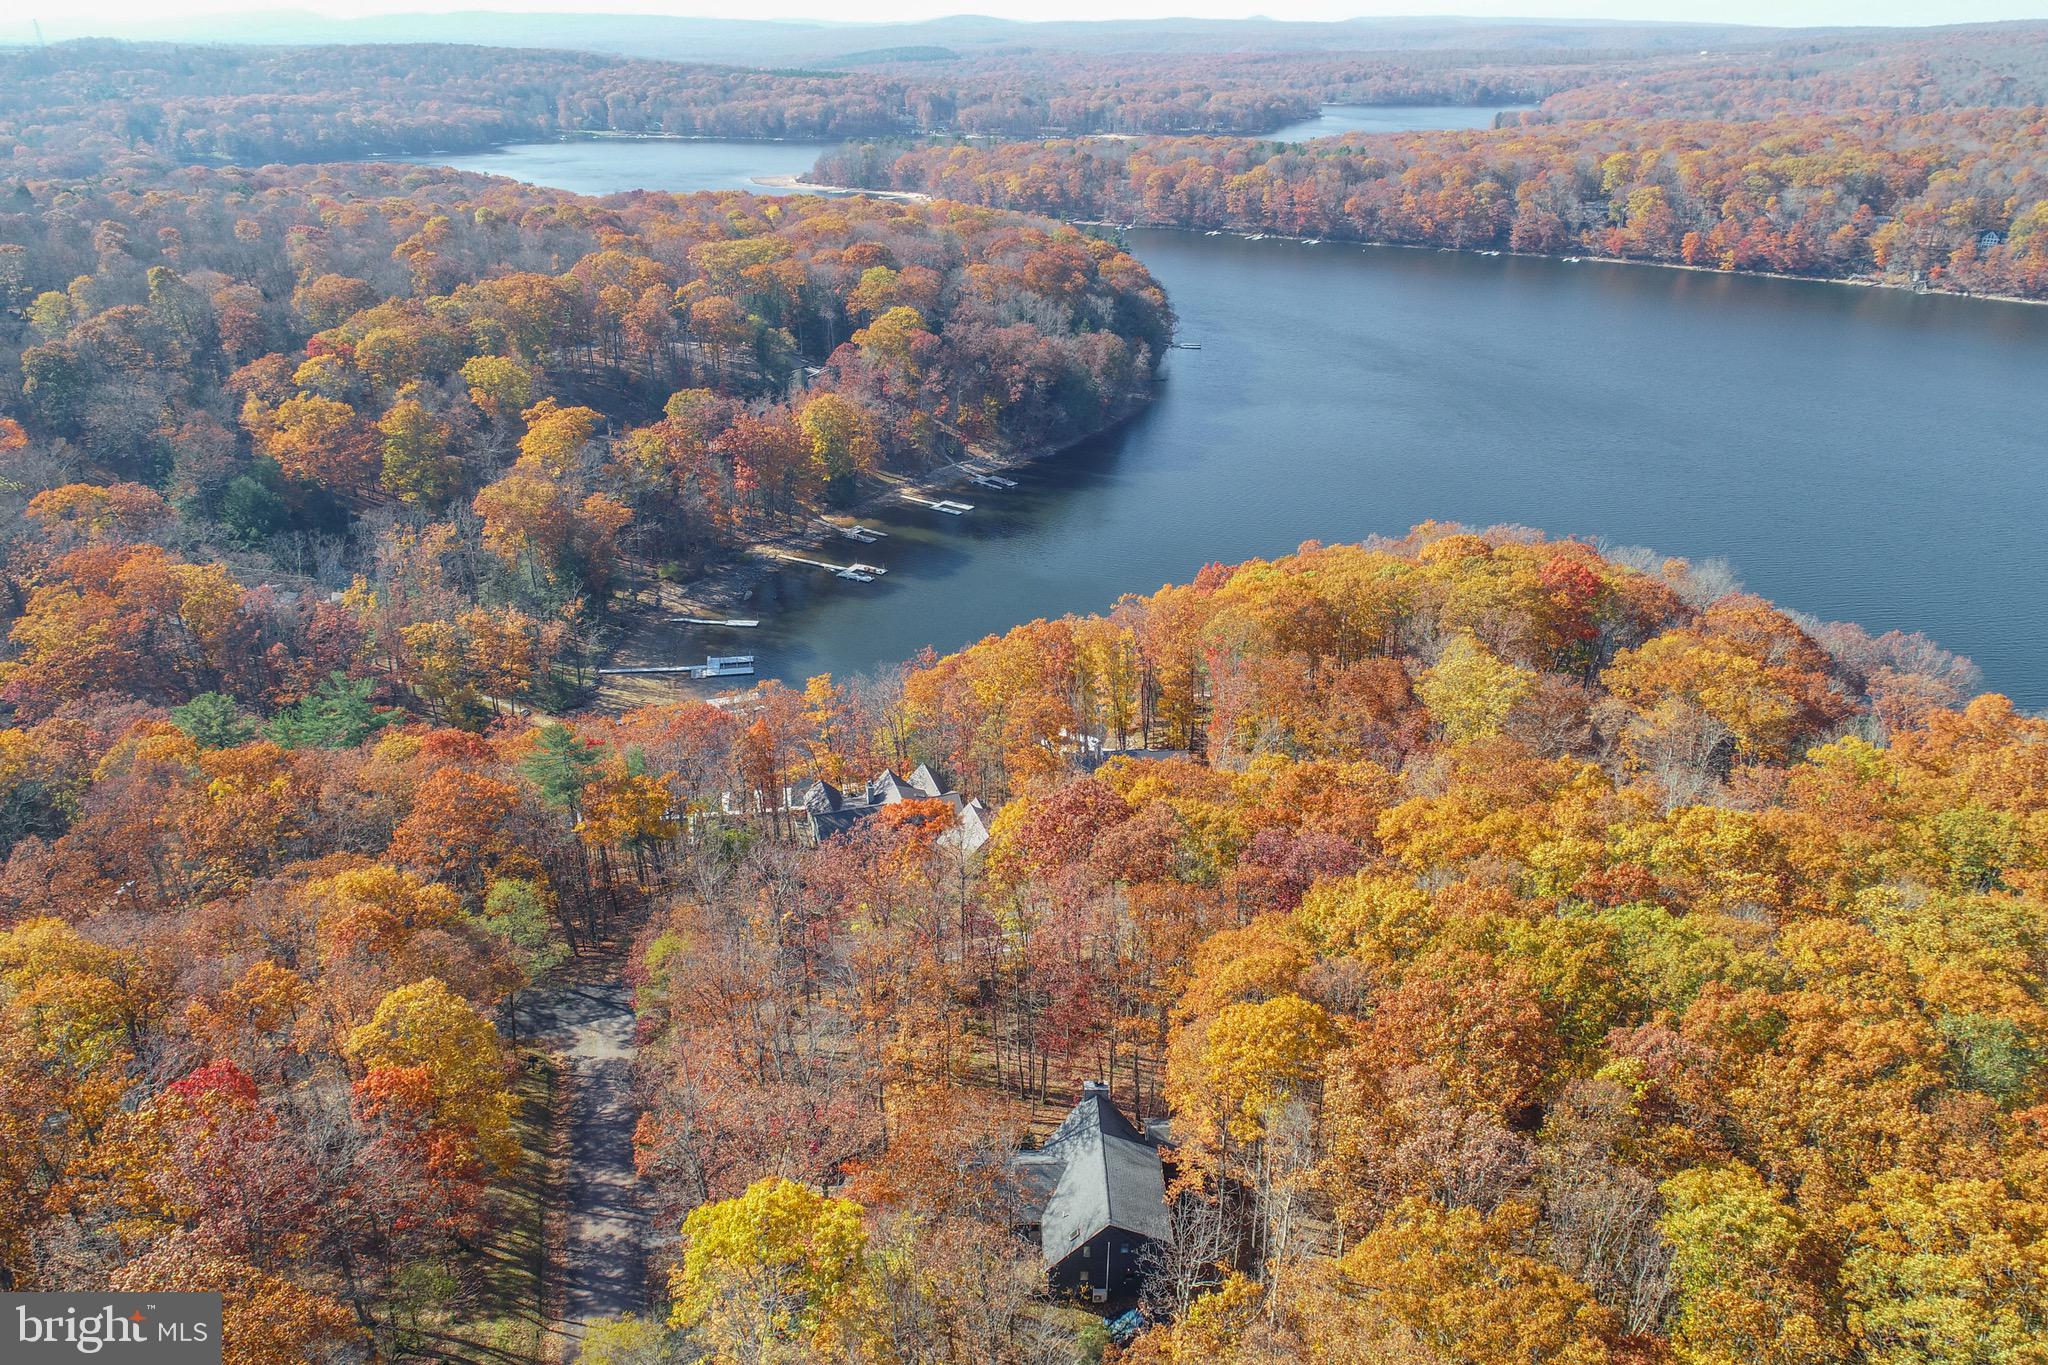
(1197, 1258)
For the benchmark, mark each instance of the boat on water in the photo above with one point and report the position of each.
(727, 666)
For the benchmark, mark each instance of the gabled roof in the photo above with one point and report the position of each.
(1096, 1171)
(822, 796)
(833, 812)
(972, 830)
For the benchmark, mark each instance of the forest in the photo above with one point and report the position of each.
(1540, 956)
(1500, 948)
(76, 104)
(446, 418)
(1919, 164)
(1895, 158)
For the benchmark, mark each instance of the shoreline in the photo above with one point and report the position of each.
(1247, 234)
(725, 585)
(796, 184)
(800, 186)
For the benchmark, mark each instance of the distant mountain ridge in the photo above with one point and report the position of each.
(760, 41)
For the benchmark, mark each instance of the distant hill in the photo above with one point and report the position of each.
(881, 56)
(757, 42)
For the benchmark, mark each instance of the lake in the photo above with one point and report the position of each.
(606, 165)
(1859, 454)
(1389, 118)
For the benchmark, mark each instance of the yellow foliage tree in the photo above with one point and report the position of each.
(780, 1273)
(1471, 690)
(428, 1026)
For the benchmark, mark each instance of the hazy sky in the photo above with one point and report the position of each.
(1719, 11)
(1788, 12)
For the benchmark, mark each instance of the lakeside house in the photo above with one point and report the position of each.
(1095, 1194)
(823, 810)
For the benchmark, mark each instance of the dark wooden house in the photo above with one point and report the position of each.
(1096, 1195)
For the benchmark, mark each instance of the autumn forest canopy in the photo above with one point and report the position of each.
(1909, 157)
(1918, 162)
(1540, 956)
(1499, 948)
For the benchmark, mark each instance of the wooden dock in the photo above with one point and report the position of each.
(946, 505)
(716, 666)
(737, 622)
(865, 535)
(858, 573)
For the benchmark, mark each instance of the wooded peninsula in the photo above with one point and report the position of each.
(1460, 947)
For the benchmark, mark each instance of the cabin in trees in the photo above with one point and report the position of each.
(823, 810)
(1096, 1195)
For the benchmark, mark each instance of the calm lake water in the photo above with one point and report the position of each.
(609, 165)
(1388, 118)
(1860, 454)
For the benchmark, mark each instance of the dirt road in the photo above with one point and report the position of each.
(602, 1263)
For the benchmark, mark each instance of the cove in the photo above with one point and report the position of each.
(607, 165)
(1858, 454)
(1389, 118)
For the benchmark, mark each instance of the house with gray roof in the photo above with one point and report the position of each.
(824, 811)
(1096, 1195)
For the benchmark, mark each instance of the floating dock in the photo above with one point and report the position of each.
(716, 666)
(735, 621)
(991, 481)
(858, 573)
(866, 535)
(946, 505)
